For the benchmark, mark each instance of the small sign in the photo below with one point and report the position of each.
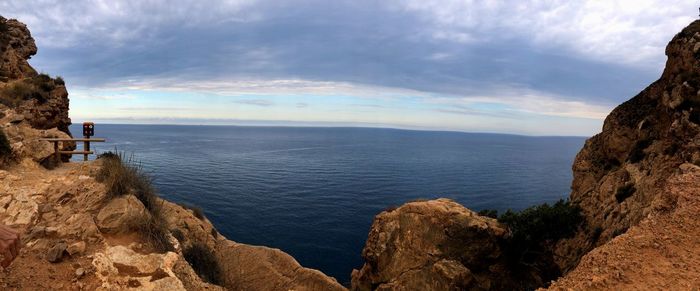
(88, 129)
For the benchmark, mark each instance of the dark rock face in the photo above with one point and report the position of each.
(620, 172)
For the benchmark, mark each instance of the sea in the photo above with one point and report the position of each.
(313, 191)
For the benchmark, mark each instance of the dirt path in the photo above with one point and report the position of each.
(26, 194)
(661, 253)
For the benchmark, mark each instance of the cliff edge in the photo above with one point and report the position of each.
(635, 184)
(81, 231)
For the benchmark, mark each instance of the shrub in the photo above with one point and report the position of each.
(532, 229)
(596, 234)
(37, 87)
(125, 176)
(625, 191)
(493, 213)
(59, 81)
(637, 153)
(204, 263)
(177, 233)
(197, 211)
(5, 148)
(155, 232)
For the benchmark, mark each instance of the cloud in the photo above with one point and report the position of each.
(255, 102)
(302, 105)
(557, 58)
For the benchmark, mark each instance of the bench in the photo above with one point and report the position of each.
(86, 146)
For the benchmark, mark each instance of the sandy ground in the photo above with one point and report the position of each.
(661, 253)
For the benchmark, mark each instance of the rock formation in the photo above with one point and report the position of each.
(433, 245)
(620, 173)
(16, 47)
(635, 182)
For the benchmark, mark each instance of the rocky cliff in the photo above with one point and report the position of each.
(79, 234)
(636, 185)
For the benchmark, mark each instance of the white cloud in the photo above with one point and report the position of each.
(631, 32)
(58, 23)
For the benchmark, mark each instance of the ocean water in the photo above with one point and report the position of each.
(313, 192)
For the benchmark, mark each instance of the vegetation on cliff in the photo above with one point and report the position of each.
(124, 176)
(5, 148)
(37, 88)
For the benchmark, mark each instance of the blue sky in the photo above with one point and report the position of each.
(525, 67)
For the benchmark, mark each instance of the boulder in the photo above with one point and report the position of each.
(433, 245)
(121, 214)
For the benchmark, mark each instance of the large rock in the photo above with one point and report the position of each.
(620, 173)
(16, 47)
(433, 245)
(121, 214)
(26, 141)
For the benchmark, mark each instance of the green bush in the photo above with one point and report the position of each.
(5, 148)
(534, 229)
(625, 191)
(204, 263)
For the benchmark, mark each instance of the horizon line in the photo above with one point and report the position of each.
(350, 125)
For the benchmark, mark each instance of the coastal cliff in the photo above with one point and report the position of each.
(635, 184)
(82, 233)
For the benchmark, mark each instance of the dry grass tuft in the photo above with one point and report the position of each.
(123, 176)
(204, 263)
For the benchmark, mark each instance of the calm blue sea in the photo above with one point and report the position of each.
(313, 192)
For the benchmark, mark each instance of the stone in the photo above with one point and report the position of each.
(79, 272)
(22, 210)
(79, 225)
(121, 214)
(433, 245)
(76, 248)
(55, 253)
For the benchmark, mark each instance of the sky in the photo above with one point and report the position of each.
(524, 67)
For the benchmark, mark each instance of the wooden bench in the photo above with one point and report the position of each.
(86, 146)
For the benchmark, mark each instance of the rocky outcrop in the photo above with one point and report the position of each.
(44, 101)
(434, 245)
(245, 267)
(625, 179)
(16, 47)
(620, 173)
(121, 214)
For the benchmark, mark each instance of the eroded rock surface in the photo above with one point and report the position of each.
(620, 174)
(433, 245)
